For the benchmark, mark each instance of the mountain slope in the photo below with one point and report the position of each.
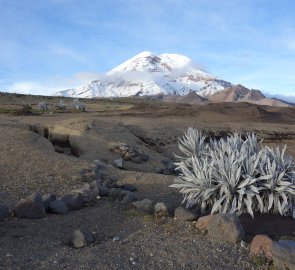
(239, 93)
(191, 98)
(150, 74)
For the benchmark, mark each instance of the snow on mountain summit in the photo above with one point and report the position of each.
(147, 61)
(151, 74)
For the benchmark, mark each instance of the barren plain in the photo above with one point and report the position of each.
(47, 151)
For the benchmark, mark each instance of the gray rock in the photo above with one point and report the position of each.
(128, 198)
(144, 157)
(144, 205)
(167, 161)
(30, 207)
(116, 238)
(58, 207)
(100, 165)
(47, 199)
(96, 173)
(129, 187)
(119, 163)
(185, 214)
(227, 228)
(161, 210)
(166, 171)
(159, 171)
(103, 191)
(118, 193)
(81, 239)
(4, 211)
(283, 254)
(87, 194)
(137, 159)
(73, 200)
(94, 188)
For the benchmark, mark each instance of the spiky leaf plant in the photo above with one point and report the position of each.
(235, 175)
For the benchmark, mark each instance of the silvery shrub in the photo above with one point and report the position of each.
(235, 175)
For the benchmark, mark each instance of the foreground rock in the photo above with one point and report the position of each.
(128, 198)
(128, 152)
(81, 239)
(4, 211)
(119, 163)
(283, 254)
(129, 187)
(47, 199)
(58, 207)
(185, 214)
(202, 222)
(88, 195)
(73, 200)
(261, 246)
(145, 205)
(226, 228)
(161, 210)
(30, 207)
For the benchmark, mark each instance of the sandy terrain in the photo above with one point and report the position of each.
(29, 162)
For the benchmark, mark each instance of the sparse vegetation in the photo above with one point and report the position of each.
(79, 105)
(25, 110)
(235, 175)
(43, 106)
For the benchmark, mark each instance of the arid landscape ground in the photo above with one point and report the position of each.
(31, 160)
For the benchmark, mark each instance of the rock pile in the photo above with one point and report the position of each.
(129, 153)
(4, 211)
(169, 168)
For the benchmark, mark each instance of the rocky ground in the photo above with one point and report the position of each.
(49, 153)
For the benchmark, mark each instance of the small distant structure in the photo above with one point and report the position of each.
(43, 106)
(79, 105)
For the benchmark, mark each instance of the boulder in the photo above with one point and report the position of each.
(87, 194)
(73, 200)
(30, 207)
(81, 239)
(161, 210)
(119, 163)
(117, 193)
(227, 228)
(4, 211)
(144, 205)
(129, 187)
(58, 207)
(144, 157)
(100, 165)
(202, 222)
(185, 214)
(103, 191)
(283, 254)
(122, 195)
(47, 199)
(128, 198)
(137, 159)
(261, 246)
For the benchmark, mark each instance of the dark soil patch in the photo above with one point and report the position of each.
(276, 227)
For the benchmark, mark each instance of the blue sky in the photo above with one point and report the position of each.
(50, 45)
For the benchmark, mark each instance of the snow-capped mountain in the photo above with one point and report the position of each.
(150, 74)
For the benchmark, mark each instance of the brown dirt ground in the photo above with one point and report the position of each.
(29, 163)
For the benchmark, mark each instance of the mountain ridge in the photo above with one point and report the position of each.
(170, 78)
(151, 74)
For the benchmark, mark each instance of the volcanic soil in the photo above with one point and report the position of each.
(31, 160)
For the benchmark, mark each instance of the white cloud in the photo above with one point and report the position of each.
(53, 85)
(67, 52)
